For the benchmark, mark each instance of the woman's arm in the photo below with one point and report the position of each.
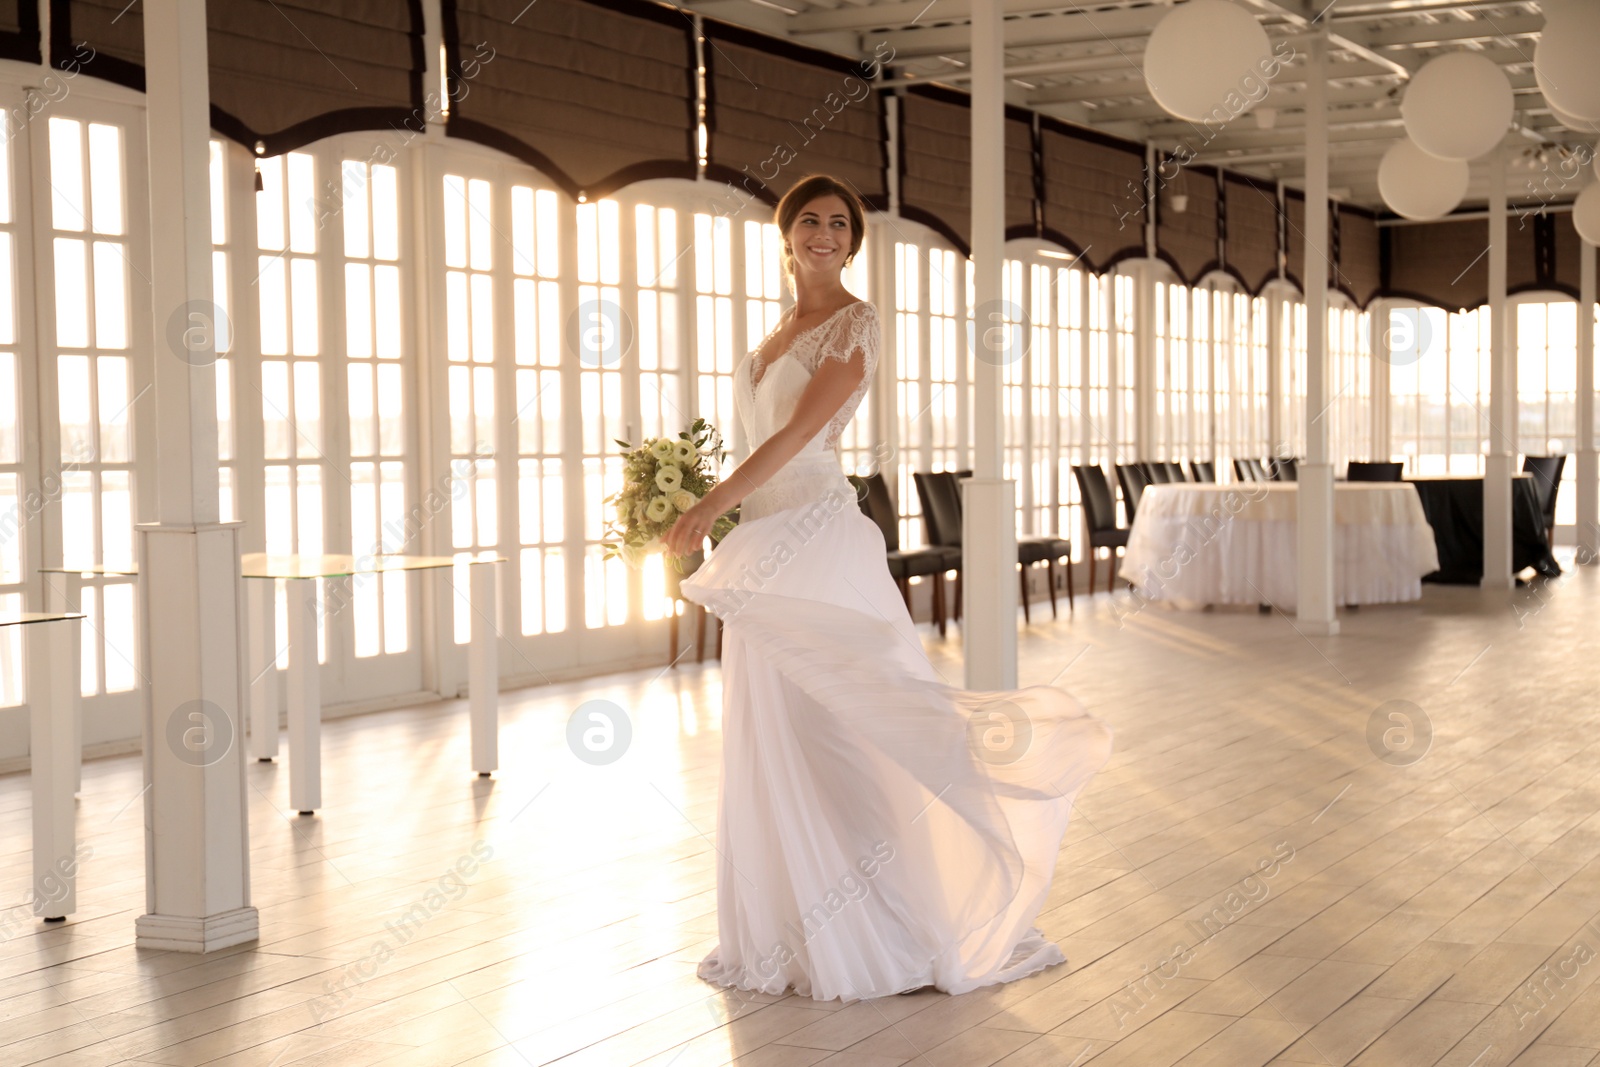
(834, 382)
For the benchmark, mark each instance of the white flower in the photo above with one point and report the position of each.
(669, 478)
(661, 449)
(632, 555)
(683, 451)
(660, 508)
(683, 500)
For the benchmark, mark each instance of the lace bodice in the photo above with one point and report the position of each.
(766, 394)
(768, 391)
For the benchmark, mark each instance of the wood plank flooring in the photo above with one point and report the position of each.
(1270, 870)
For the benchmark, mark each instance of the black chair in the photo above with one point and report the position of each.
(1156, 473)
(872, 494)
(1373, 472)
(940, 493)
(1259, 470)
(1202, 470)
(1283, 469)
(1100, 518)
(1546, 471)
(1242, 471)
(1133, 480)
(1175, 471)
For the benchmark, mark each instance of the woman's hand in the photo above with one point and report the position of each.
(689, 533)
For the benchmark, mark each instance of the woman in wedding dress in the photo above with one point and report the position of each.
(878, 830)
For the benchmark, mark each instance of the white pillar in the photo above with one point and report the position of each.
(197, 871)
(1315, 606)
(989, 530)
(1588, 473)
(1503, 415)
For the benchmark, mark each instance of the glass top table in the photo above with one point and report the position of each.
(301, 573)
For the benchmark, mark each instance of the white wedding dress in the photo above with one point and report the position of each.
(877, 829)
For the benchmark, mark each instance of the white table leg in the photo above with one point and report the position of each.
(52, 685)
(263, 637)
(305, 698)
(64, 592)
(483, 668)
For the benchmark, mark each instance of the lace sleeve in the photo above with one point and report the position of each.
(857, 331)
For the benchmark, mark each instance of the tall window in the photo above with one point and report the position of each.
(541, 486)
(291, 370)
(93, 376)
(713, 284)
(470, 321)
(1071, 330)
(1125, 373)
(929, 374)
(15, 514)
(604, 421)
(222, 297)
(1547, 390)
(375, 374)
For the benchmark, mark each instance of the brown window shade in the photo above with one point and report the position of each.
(776, 112)
(1441, 263)
(270, 83)
(102, 38)
(1567, 255)
(1020, 184)
(593, 96)
(936, 165)
(1294, 241)
(1251, 246)
(1093, 194)
(283, 72)
(1187, 240)
(1360, 272)
(19, 30)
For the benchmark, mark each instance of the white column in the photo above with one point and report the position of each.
(50, 650)
(63, 591)
(989, 530)
(1382, 379)
(483, 668)
(197, 865)
(1588, 472)
(1502, 455)
(1315, 606)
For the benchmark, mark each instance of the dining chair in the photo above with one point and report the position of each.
(1358, 471)
(1156, 473)
(1546, 471)
(1284, 469)
(872, 494)
(1100, 519)
(940, 493)
(1133, 481)
(1259, 470)
(1202, 470)
(1175, 471)
(1242, 471)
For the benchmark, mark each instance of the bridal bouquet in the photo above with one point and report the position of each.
(663, 478)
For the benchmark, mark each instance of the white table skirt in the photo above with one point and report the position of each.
(1238, 544)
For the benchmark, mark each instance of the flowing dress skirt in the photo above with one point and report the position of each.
(877, 829)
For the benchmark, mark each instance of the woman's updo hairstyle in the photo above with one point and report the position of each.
(802, 193)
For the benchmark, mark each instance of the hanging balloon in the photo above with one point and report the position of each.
(1208, 61)
(1586, 214)
(1458, 106)
(1563, 60)
(1573, 122)
(1417, 185)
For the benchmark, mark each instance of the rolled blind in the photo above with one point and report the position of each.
(19, 30)
(283, 72)
(1360, 272)
(1251, 246)
(1093, 194)
(1440, 263)
(1294, 242)
(776, 112)
(1188, 239)
(595, 96)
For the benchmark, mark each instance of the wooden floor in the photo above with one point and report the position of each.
(1247, 882)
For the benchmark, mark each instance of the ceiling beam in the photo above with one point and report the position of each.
(1454, 31)
(1352, 40)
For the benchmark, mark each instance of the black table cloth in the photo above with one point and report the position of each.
(1454, 507)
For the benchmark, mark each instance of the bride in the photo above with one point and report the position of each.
(877, 830)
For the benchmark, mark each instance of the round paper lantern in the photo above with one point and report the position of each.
(1458, 106)
(1586, 214)
(1573, 122)
(1208, 60)
(1564, 59)
(1417, 185)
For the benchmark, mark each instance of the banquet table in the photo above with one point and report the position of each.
(1454, 507)
(1238, 544)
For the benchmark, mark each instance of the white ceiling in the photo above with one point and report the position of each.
(1083, 62)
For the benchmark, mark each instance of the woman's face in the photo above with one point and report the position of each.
(820, 237)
